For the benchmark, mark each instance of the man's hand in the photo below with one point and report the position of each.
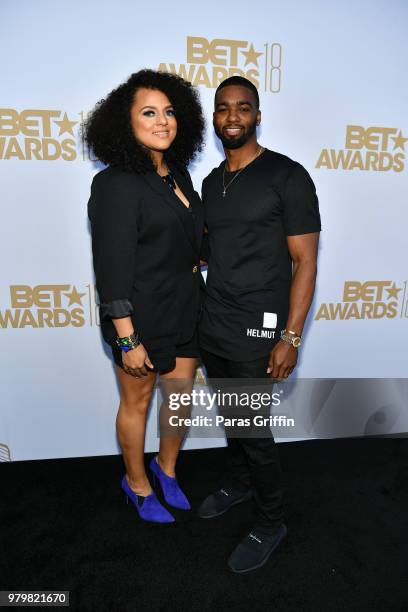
(135, 361)
(282, 360)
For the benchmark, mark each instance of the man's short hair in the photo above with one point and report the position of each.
(242, 82)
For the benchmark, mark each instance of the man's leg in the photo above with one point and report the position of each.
(237, 480)
(266, 477)
(261, 453)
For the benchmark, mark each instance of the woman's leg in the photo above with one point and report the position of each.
(179, 380)
(131, 426)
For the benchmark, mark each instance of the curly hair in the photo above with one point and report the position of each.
(108, 130)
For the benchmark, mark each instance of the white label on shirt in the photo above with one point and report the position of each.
(260, 333)
(270, 320)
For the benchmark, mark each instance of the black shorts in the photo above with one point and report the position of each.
(164, 359)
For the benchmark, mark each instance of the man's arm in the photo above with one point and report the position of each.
(303, 251)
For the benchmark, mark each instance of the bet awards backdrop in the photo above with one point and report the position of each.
(333, 88)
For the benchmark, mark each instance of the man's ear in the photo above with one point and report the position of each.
(258, 117)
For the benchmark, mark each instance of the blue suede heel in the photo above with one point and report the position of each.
(149, 507)
(172, 493)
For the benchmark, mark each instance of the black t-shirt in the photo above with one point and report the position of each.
(249, 266)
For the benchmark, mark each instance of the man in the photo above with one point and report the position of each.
(262, 216)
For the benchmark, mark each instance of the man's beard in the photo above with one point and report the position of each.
(236, 143)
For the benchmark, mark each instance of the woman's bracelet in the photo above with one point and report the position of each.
(128, 342)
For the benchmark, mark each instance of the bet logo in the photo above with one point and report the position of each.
(208, 62)
(379, 149)
(379, 299)
(51, 306)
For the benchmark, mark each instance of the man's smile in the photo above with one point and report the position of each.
(232, 130)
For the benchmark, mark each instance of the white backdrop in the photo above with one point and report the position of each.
(333, 88)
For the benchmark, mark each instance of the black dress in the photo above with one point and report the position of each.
(146, 246)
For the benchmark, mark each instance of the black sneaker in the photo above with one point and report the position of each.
(219, 502)
(254, 550)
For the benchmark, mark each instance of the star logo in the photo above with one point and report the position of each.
(251, 56)
(399, 141)
(74, 297)
(393, 290)
(65, 125)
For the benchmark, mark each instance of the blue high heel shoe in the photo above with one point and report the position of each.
(149, 507)
(172, 493)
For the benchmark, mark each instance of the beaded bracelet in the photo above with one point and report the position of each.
(128, 342)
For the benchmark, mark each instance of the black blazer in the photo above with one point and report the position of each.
(146, 247)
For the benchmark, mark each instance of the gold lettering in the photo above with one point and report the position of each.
(371, 161)
(399, 162)
(353, 312)
(324, 160)
(338, 311)
(62, 318)
(322, 313)
(218, 52)
(392, 310)
(341, 157)
(367, 291)
(42, 295)
(68, 147)
(28, 319)
(51, 155)
(385, 157)
(252, 75)
(372, 138)
(234, 46)
(367, 310)
(77, 317)
(380, 286)
(202, 77)
(27, 122)
(357, 161)
(370, 291)
(9, 317)
(13, 149)
(197, 50)
(45, 317)
(32, 147)
(219, 75)
(354, 137)
(9, 125)
(385, 132)
(236, 72)
(351, 292)
(181, 70)
(380, 310)
(21, 295)
(357, 137)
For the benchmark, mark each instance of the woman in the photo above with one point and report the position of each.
(147, 225)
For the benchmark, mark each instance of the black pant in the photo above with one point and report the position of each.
(252, 461)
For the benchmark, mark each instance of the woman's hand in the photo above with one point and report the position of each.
(135, 361)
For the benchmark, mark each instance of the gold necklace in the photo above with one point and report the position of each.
(225, 186)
